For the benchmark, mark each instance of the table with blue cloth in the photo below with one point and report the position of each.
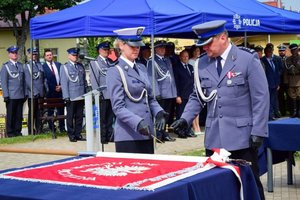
(284, 136)
(216, 183)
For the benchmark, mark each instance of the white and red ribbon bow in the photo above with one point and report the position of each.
(220, 159)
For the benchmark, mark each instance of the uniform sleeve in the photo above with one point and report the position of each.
(259, 94)
(4, 81)
(150, 75)
(64, 81)
(27, 79)
(93, 75)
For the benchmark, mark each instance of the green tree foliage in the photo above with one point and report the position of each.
(18, 13)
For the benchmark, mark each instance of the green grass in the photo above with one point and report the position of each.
(197, 152)
(30, 138)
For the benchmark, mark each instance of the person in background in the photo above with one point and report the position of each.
(73, 84)
(259, 50)
(98, 70)
(164, 83)
(195, 52)
(53, 80)
(292, 79)
(184, 78)
(144, 54)
(34, 72)
(14, 92)
(273, 69)
(131, 96)
(284, 101)
(237, 116)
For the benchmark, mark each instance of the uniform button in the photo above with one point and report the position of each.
(219, 86)
(147, 111)
(221, 116)
(219, 97)
(220, 106)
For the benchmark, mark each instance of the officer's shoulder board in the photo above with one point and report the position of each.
(203, 54)
(252, 51)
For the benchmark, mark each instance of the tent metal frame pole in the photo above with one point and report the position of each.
(31, 88)
(153, 82)
(245, 39)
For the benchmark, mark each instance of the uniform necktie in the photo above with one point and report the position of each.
(52, 69)
(187, 67)
(219, 65)
(272, 64)
(76, 66)
(135, 68)
(16, 64)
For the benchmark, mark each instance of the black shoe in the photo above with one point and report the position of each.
(169, 139)
(72, 139)
(182, 136)
(80, 138)
(62, 130)
(190, 135)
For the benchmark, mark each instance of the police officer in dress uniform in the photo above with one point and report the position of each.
(36, 74)
(131, 96)
(283, 98)
(73, 84)
(98, 69)
(259, 50)
(234, 86)
(292, 78)
(164, 81)
(144, 55)
(14, 93)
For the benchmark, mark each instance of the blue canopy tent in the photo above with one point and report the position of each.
(170, 18)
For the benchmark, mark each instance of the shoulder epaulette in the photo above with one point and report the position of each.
(252, 51)
(203, 54)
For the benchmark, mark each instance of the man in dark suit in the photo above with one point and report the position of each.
(273, 69)
(51, 70)
(184, 79)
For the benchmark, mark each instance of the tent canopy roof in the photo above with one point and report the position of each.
(168, 18)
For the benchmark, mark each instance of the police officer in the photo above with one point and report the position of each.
(73, 84)
(144, 55)
(292, 78)
(98, 69)
(284, 100)
(36, 74)
(14, 93)
(164, 81)
(234, 86)
(131, 96)
(259, 50)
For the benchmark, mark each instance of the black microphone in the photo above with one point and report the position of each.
(81, 56)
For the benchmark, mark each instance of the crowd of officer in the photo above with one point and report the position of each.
(283, 75)
(171, 74)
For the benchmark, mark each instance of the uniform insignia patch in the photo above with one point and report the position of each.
(252, 51)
